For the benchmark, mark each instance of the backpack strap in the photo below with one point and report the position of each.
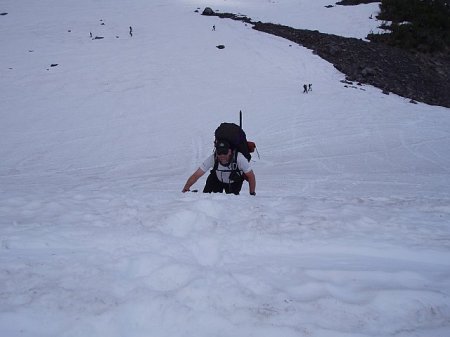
(216, 163)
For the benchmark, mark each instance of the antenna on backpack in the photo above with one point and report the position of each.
(240, 119)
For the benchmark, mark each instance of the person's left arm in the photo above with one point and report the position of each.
(245, 166)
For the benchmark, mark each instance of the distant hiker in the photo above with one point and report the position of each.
(131, 31)
(309, 87)
(90, 34)
(229, 170)
(305, 89)
(214, 27)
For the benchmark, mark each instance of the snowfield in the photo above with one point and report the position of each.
(348, 235)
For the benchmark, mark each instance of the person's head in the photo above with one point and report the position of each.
(223, 151)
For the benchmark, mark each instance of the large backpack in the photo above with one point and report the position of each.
(234, 135)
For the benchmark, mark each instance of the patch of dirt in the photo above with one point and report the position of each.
(419, 77)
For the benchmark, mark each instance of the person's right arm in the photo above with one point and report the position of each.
(192, 179)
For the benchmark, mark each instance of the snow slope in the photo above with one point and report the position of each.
(348, 234)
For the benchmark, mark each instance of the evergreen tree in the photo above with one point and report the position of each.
(421, 25)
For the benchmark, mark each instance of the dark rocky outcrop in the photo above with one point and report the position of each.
(355, 2)
(420, 77)
(208, 11)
